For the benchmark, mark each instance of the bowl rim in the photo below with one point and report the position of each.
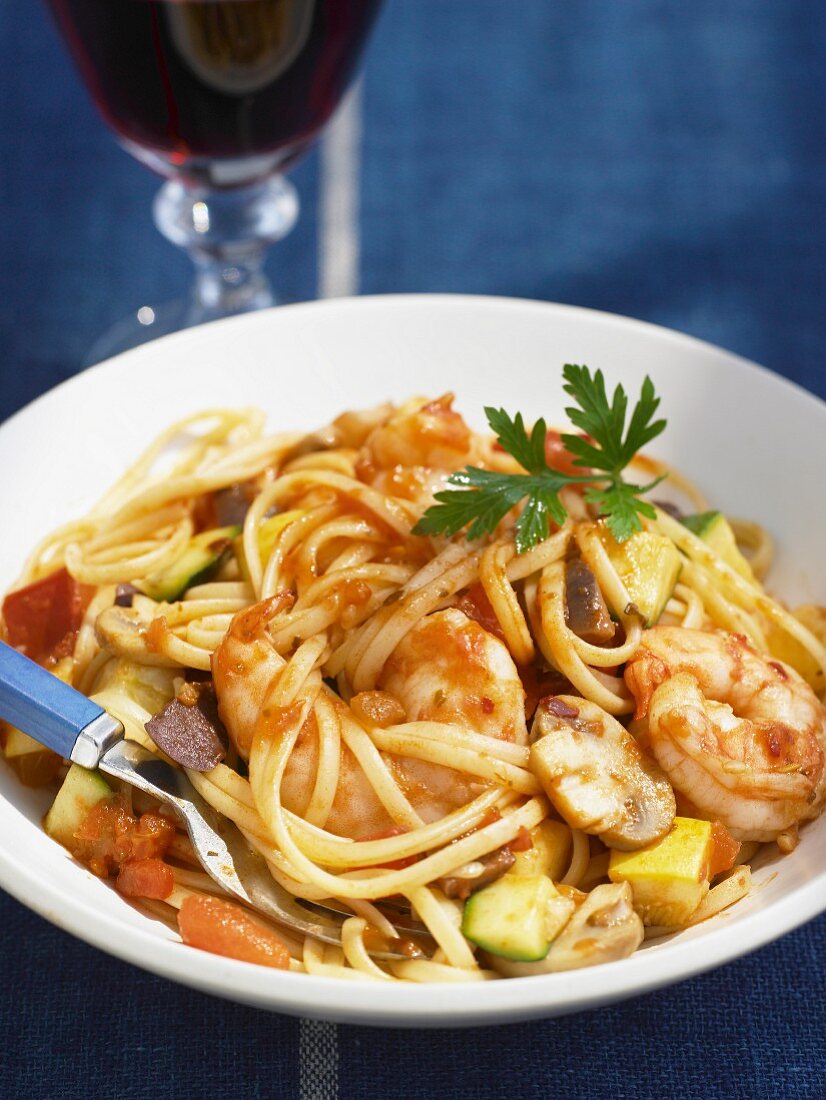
(398, 1004)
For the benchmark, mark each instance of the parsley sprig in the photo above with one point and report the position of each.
(483, 498)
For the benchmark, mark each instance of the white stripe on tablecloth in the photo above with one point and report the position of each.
(338, 246)
(338, 276)
(318, 1060)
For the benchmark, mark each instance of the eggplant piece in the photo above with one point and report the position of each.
(124, 594)
(232, 505)
(585, 609)
(482, 872)
(190, 731)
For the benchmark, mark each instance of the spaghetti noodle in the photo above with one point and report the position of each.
(379, 686)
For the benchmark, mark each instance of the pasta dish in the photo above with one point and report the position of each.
(480, 686)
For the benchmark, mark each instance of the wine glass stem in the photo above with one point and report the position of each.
(223, 288)
(227, 234)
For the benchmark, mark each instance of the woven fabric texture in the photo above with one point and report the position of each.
(660, 160)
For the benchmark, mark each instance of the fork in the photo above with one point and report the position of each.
(63, 719)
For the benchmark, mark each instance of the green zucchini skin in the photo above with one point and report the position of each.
(200, 560)
(516, 917)
(80, 792)
(716, 532)
(701, 523)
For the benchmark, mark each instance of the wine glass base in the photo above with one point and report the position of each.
(145, 324)
(150, 322)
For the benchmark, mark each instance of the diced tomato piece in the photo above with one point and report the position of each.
(151, 836)
(223, 928)
(559, 457)
(110, 836)
(490, 817)
(146, 878)
(42, 619)
(724, 849)
(476, 605)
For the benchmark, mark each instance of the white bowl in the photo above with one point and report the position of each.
(755, 443)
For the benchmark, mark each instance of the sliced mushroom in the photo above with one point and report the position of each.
(123, 631)
(603, 929)
(596, 776)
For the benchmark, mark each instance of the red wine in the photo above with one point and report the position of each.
(189, 82)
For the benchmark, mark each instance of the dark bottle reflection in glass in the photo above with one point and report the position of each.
(217, 91)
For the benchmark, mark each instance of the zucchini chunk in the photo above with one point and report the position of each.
(81, 791)
(604, 928)
(517, 917)
(201, 559)
(715, 530)
(649, 566)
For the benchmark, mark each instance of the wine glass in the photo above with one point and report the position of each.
(221, 97)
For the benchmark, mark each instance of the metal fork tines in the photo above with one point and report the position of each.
(227, 857)
(78, 729)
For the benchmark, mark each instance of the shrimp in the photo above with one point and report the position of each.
(741, 736)
(450, 669)
(422, 433)
(417, 449)
(596, 776)
(447, 669)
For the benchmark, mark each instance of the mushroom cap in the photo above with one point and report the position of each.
(596, 775)
(123, 631)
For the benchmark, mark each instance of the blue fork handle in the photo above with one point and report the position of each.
(51, 712)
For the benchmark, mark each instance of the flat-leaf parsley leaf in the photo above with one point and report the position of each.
(483, 498)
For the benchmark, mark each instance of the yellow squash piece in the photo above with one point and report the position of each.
(550, 854)
(649, 566)
(789, 650)
(268, 532)
(80, 793)
(715, 530)
(668, 879)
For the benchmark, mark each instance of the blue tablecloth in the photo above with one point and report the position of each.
(661, 160)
